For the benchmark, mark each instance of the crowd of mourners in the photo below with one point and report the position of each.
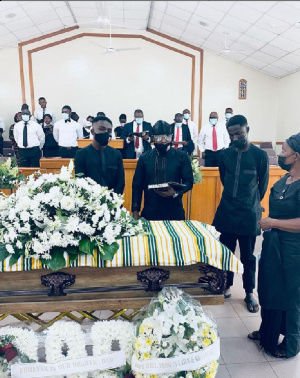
(164, 174)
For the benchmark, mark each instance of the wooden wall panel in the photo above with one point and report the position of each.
(205, 196)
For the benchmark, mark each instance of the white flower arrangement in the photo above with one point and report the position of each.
(16, 344)
(103, 334)
(56, 213)
(174, 325)
(65, 333)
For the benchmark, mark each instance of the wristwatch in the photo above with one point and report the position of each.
(175, 195)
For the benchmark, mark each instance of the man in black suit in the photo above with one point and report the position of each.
(134, 146)
(181, 135)
(99, 161)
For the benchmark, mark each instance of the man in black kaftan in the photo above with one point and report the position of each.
(244, 173)
(99, 161)
(161, 164)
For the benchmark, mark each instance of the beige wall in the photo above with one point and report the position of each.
(10, 89)
(288, 106)
(220, 90)
(155, 79)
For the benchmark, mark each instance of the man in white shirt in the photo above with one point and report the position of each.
(66, 132)
(228, 115)
(30, 139)
(192, 127)
(40, 112)
(213, 138)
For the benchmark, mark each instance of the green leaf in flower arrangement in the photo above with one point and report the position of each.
(72, 250)
(60, 215)
(109, 251)
(57, 261)
(3, 252)
(14, 258)
(72, 258)
(87, 246)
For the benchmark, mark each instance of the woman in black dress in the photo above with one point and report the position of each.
(50, 148)
(279, 266)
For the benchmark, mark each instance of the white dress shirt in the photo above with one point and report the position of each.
(205, 141)
(2, 123)
(193, 130)
(66, 133)
(180, 136)
(83, 122)
(139, 150)
(35, 134)
(38, 114)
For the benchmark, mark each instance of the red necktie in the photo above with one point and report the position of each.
(137, 139)
(214, 137)
(177, 137)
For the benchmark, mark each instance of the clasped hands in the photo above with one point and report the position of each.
(266, 223)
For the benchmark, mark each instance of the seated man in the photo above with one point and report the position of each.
(99, 161)
(161, 165)
(134, 145)
(181, 133)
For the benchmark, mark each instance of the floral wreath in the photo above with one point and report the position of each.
(14, 347)
(174, 325)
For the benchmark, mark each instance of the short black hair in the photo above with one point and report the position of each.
(90, 117)
(48, 115)
(101, 118)
(122, 116)
(42, 98)
(237, 120)
(162, 128)
(67, 107)
(228, 109)
(24, 106)
(138, 111)
(100, 114)
(178, 114)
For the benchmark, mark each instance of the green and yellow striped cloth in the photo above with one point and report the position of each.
(168, 243)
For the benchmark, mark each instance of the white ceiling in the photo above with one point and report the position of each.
(265, 31)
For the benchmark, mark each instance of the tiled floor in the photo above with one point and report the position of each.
(241, 357)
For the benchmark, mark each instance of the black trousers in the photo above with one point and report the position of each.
(212, 158)
(67, 152)
(247, 244)
(30, 157)
(50, 151)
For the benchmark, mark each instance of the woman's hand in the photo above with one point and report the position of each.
(266, 223)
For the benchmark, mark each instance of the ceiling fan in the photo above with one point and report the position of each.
(227, 50)
(107, 22)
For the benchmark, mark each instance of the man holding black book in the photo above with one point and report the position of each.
(163, 174)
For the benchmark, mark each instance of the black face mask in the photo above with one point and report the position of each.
(102, 138)
(282, 165)
(162, 147)
(240, 143)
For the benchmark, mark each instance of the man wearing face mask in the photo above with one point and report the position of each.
(134, 145)
(181, 133)
(159, 165)
(87, 127)
(192, 127)
(213, 138)
(66, 132)
(30, 139)
(119, 129)
(99, 161)
(244, 173)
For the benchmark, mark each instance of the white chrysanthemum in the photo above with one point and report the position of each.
(24, 338)
(9, 248)
(67, 203)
